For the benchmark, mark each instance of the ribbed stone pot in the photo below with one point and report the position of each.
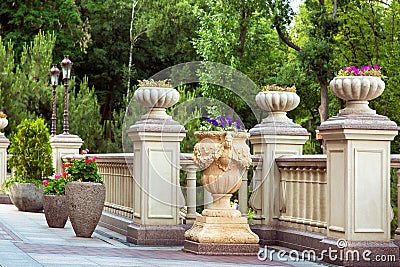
(26, 196)
(156, 99)
(357, 90)
(224, 156)
(85, 205)
(55, 210)
(3, 123)
(277, 103)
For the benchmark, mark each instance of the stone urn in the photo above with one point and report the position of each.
(3, 123)
(55, 210)
(156, 99)
(278, 104)
(357, 90)
(85, 205)
(224, 158)
(26, 196)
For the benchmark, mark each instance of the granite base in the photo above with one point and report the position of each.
(220, 249)
(159, 235)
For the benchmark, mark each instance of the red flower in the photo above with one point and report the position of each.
(66, 165)
(65, 175)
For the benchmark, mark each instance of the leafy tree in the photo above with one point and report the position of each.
(21, 21)
(26, 81)
(237, 34)
(316, 54)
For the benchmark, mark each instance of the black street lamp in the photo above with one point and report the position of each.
(54, 73)
(66, 66)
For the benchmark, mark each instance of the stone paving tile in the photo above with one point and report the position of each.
(26, 240)
(139, 254)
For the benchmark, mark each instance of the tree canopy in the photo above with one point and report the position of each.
(115, 43)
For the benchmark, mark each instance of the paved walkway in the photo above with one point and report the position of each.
(26, 240)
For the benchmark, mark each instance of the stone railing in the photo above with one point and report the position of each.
(118, 181)
(303, 188)
(395, 164)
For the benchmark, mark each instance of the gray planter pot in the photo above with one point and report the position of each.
(85, 205)
(55, 210)
(26, 197)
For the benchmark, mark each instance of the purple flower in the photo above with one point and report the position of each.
(376, 67)
(238, 124)
(214, 122)
(222, 121)
(230, 121)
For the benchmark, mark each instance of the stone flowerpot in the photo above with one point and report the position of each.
(85, 205)
(26, 196)
(224, 158)
(55, 210)
(156, 99)
(277, 103)
(357, 90)
(3, 123)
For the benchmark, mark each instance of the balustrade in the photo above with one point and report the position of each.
(303, 188)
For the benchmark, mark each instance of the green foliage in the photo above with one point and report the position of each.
(83, 170)
(31, 159)
(55, 186)
(26, 81)
(21, 21)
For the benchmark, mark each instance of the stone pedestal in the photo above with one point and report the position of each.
(158, 195)
(64, 144)
(358, 173)
(271, 140)
(4, 142)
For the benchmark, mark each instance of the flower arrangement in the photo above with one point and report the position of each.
(153, 83)
(278, 88)
(3, 114)
(368, 70)
(221, 123)
(83, 169)
(56, 186)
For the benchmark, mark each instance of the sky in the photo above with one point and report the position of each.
(295, 5)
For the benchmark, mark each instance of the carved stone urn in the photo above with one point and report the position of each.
(156, 99)
(357, 90)
(277, 103)
(224, 158)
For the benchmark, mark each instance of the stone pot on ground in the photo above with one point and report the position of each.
(26, 196)
(55, 210)
(85, 205)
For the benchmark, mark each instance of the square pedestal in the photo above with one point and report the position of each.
(221, 236)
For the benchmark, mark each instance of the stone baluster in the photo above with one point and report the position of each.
(243, 206)
(191, 170)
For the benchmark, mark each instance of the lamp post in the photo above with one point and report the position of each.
(54, 73)
(66, 66)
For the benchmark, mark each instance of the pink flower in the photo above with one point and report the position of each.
(45, 182)
(58, 175)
